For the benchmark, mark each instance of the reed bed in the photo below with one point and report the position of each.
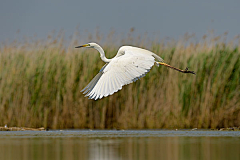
(40, 83)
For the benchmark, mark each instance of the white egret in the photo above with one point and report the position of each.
(129, 65)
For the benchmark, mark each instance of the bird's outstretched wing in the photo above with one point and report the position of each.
(121, 71)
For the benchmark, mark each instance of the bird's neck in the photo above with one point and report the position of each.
(102, 54)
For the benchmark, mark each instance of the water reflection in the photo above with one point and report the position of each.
(113, 148)
(166, 148)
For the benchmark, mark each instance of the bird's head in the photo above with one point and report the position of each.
(88, 45)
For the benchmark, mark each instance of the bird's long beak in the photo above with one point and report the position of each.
(85, 45)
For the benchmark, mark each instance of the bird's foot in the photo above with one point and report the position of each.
(187, 71)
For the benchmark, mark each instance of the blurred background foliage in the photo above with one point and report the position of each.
(40, 83)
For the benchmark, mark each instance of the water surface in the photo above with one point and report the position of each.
(120, 145)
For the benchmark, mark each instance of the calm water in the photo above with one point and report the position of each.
(120, 145)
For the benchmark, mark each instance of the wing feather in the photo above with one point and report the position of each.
(106, 83)
(92, 83)
(122, 70)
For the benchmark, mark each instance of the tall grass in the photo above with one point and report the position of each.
(40, 83)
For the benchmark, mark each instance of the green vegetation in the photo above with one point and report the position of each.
(40, 83)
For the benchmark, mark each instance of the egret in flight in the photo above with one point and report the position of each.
(129, 65)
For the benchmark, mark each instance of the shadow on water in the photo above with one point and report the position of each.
(119, 145)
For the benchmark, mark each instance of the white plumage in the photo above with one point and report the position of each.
(129, 65)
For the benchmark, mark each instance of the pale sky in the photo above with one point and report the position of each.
(164, 18)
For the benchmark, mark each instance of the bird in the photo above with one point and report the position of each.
(130, 64)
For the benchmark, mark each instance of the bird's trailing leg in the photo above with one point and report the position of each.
(177, 69)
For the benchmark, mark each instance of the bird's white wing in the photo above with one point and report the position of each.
(121, 71)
